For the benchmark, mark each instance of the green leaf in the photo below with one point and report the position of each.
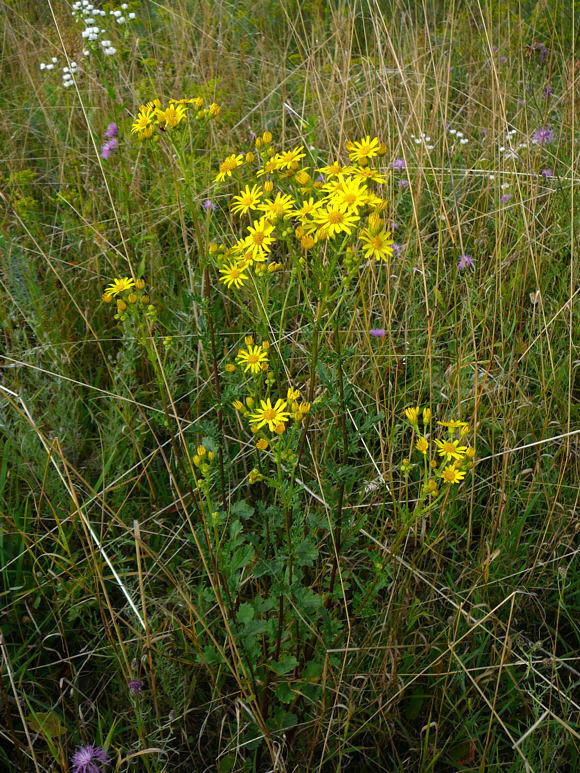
(284, 665)
(245, 613)
(243, 510)
(48, 723)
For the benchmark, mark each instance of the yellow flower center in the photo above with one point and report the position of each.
(449, 448)
(258, 237)
(252, 359)
(235, 273)
(269, 414)
(335, 218)
(228, 165)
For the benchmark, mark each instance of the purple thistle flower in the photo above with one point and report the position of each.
(464, 262)
(108, 147)
(377, 332)
(397, 249)
(135, 686)
(543, 136)
(399, 163)
(503, 59)
(321, 178)
(209, 206)
(548, 91)
(88, 759)
(547, 173)
(111, 131)
(403, 183)
(505, 198)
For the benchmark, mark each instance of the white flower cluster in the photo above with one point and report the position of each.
(458, 135)
(68, 74)
(87, 13)
(50, 65)
(423, 139)
(510, 149)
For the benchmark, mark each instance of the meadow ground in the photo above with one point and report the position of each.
(289, 456)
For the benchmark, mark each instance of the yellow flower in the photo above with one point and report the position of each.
(304, 408)
(228, 165)
(451, 425)
(422, 445)
(250, 157)
(307, 242)
(214, 109)
(281, 206)
(233, 275)
(377, 246)
(172, 116)
(279, 428)
(431, 487)
(344, 190)
(412, 414)
(119, 286)
(289, 157)
(144, 124)
(365, 173)
(427, 413)
(230, 367)
(308, 207)
(450, 449)
(259, 241)
(252, 359)
(248, 199)
(268, 186)
(268, 414)
(331, 170)
(267, 137)
(292, 394)
(255, 476)
(452, 475)
(273, 165)
(262, 444)
(361, 151)
(302, 177)
(470, 452)
(334, 219)
(239, 406)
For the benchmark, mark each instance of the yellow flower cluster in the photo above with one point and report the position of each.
(282, 197)
(131, 297)
(203, 459)
(451, 459)
(273, 415)
(153, 115)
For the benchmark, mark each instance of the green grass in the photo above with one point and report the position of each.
(327, 617)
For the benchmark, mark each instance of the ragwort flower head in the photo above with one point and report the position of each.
(228, 165)
(252, 359)
(118, 286)
(360, 152)
(273, 416)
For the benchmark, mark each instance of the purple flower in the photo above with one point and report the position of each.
(503, 59)
(111, 130)
(108, 147)
(547, 173)
(543, 136)
(135, 686)
(209, 206)
(88, 759)
(403, 183)
(505, 198)
(399, 163)
(548, 91)
(397, 249)
(321, 178)
(464, 262)
(377, 332)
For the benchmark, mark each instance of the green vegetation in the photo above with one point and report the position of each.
(236, 533)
